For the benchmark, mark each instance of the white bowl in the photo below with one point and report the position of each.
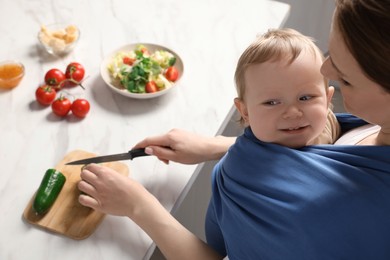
(58, 45)
(114, 86)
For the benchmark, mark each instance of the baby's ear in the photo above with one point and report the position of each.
(329, 94)
(241, 107)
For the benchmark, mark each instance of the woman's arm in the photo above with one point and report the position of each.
(172, 238)
(112, 193)
(186, 147)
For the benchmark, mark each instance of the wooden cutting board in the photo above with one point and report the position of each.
(67, 216)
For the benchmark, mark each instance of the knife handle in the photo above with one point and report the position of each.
(138, 152)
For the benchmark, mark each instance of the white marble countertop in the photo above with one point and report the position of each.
(208, 35)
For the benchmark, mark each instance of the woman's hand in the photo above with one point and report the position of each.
(186, 147)
(110, 192)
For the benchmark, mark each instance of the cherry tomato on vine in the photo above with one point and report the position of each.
(80, 107)
(74, 73)
(151, 87)
(45, 95)
(61, 106)
(172, 74)
(55, 78)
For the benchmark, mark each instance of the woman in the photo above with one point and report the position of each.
(359, 59)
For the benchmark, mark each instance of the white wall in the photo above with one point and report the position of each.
(311, 17)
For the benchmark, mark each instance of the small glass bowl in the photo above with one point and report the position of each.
(59, 39)
(11, 73)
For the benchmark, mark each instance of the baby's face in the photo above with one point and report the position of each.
(286, 103)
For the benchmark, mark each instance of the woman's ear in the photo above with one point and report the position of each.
(241, 107)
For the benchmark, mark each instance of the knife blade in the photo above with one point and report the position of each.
(110, 158)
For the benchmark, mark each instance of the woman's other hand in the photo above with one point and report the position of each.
(186, 147)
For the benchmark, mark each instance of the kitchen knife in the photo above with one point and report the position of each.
(110, 158)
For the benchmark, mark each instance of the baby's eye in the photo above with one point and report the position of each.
(271, 102)
(305, 98)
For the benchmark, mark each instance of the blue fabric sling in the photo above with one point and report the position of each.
(318, 202)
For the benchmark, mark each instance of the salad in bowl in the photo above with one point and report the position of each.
(142, 70)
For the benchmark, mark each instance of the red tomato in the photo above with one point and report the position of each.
(151, 87)
(172, 74)
(74, 73)
(61, 106)
(45, 95)
(55, 78)
(80, 107)
(145, 51)
(128, 60)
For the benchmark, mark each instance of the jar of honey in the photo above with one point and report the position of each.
(11, 73)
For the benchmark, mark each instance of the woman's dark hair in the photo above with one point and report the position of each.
(365, 28)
